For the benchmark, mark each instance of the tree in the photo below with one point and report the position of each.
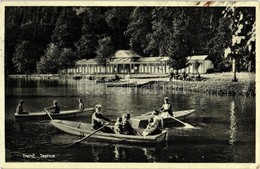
(220, 42)
(55, 59)
(178, 46)
(170, 35)
(24, 59)
(117, 19)
(139, 26)
(105, 50)
(12, 34)
(67, 59)
(242, 49)
(93, 27)
(86, 46)
(49, 61)
(67, 29)
(29, 24)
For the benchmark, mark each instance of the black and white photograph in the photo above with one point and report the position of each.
(146, 84)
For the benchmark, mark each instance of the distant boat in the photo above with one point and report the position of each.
(83, 129)
(43, 115)
(77, 77)
(142, 120)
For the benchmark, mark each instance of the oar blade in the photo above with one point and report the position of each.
(48, 113)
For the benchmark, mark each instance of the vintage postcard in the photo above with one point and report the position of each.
(114, 84)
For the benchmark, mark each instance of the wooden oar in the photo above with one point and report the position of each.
(48, 113)
(149, 113)
(186, 125)
(84, 138)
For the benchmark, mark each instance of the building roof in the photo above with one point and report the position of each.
(126, 54)
(85, 61)
(153, 59)
(121, 60)
(197, 58)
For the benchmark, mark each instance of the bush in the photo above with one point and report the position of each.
(210, 70)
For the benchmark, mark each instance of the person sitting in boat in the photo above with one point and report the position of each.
(127, 126)
(55, 108)
(98, 120)
(19, 109)
(118, 128)
(152, 127)
(81, 105)
(166, 107)
(157, 118)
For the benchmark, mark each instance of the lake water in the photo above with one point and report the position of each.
(225, 125)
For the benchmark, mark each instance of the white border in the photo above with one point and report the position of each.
(3, 164)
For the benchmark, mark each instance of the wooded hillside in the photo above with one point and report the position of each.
(49, 39)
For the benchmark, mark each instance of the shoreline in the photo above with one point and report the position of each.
(217, 83)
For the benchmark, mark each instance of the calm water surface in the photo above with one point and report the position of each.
(226, 125)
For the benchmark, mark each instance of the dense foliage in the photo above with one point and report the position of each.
(50, 39)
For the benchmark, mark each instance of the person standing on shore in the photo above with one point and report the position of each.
(171, 75)
(166, 107)
(81, 105)
(19, 109)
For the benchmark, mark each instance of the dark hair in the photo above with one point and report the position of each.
(151, 120)
(119, 118)
(166, 98)
(126, 116)
(156, 112)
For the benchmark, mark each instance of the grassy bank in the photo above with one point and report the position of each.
(220, 84)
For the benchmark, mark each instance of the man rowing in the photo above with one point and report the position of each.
(55, 108)
(98, 120)
(166, 107)
(81, 105)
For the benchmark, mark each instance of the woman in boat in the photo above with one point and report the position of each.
(166, 107)
(118, 128)
(19, 109)
(158, 119)
(152, 128)
(81, 105)
(127, 126)
(98, 120)
(55, 108)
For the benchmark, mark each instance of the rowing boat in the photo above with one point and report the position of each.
(43, 115)
(83, 129)
(142, 120)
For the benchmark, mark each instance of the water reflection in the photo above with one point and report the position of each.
(121, 154)
(150, 154)
(233, 124)
(96, 153)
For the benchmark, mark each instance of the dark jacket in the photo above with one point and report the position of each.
(127, 128)
(97, 120)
